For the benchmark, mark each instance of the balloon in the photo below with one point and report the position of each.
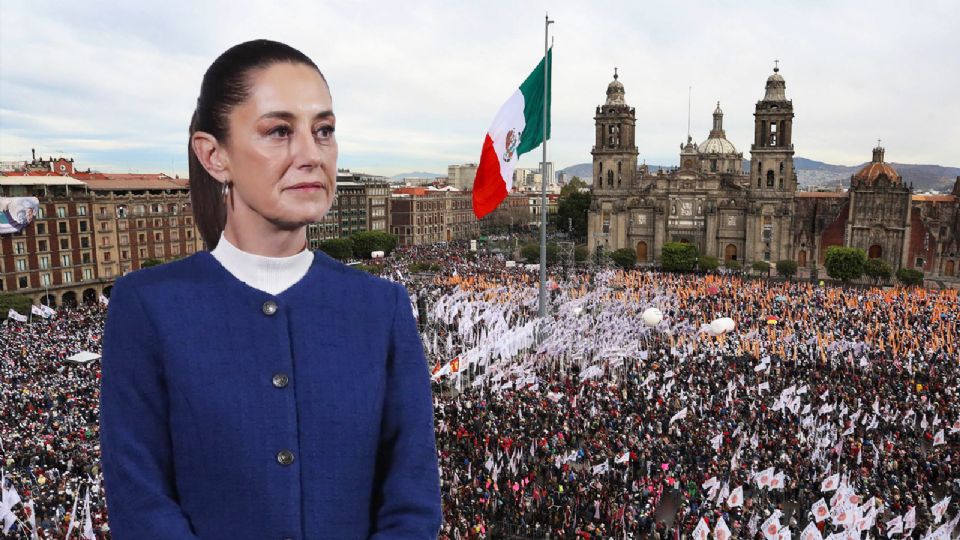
(718, 327)
(652, 316)
(722, 325)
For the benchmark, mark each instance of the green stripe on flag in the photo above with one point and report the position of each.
(532, 90)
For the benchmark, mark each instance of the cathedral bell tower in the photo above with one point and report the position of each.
(773, 181)
(615, 153)
(771, 167)
(615, 173)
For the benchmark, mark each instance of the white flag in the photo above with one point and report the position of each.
(87, 522)
(895, 526)
(939, 438)
(771, 527)
(939, 509)
(73, 514)
(736, 498)
(716, 442)
(104, 300)
(623, 458)
(811, 532)
(12, 314)
(702, 532)
(820, 511)
(764, 477)
(31, 516)
(679, 416)
(721, 531)
(830, 483)
(910, 519)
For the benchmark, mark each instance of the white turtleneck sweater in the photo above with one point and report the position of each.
(269, 274)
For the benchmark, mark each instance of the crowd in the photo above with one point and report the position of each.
(598, 425)
(49, 432)
(825, 411)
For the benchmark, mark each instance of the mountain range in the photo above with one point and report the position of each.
(812, 173)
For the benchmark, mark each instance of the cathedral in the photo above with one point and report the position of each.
(710, 201)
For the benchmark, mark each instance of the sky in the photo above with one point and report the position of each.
(416, 84)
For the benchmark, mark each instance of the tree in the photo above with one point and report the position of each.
(338, 248)
(580, 253)
(787, 268)
(625, 258)
(878, 270)
(845, 263)
(910, 276)
(531, 253)
(572, 209)
(575, 185)
(150, 262)
(679, 257)
(18, 302)
(733, 265)
(762, 267)
(708, 263)
(365, 242)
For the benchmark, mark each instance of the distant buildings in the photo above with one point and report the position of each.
(427, 215)
(462, 176)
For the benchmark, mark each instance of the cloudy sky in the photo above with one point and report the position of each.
(416, 84)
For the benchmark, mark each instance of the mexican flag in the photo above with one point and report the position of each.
(517, 129)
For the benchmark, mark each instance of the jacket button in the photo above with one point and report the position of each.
(280, 380)
(285, 457)
(269, 307)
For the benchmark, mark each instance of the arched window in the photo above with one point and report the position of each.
(781, 167)
(770, 179)
(609, 178)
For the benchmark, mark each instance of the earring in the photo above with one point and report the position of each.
(226, 187)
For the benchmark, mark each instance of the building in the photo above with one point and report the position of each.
(91, 228)
(710, 202)
(420, 215)
(361, 204)
(529, 180)
(462, 176)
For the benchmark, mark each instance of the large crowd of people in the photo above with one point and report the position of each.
(826, 410)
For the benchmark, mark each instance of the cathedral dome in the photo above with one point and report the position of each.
(717, 145)
(876, 169)
(717, 142)
(615, 91)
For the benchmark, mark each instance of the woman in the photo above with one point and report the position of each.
(260, 390)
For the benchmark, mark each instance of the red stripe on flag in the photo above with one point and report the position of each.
(489, 189)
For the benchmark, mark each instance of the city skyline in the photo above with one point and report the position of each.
(415, 88)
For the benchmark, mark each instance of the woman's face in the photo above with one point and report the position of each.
(282, 154)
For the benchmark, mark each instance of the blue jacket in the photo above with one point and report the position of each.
(230, 413)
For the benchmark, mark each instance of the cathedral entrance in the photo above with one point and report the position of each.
(875, 252)
(730, 253)
(948, 268)
(641, 252)
(802, 258)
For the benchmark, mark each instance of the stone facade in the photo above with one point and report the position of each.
(710, 202)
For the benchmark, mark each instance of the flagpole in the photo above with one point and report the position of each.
(543, 170)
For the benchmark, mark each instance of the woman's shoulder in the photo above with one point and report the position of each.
(356, 280)
(176, 273)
